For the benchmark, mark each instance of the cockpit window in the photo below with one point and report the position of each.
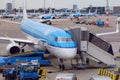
(63, 39)
(55, 39)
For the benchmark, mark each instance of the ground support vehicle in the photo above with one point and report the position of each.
(100, 23)
(28, 71)
(10, 72)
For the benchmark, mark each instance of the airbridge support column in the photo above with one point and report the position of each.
(83, 57)
(81, 37)
(84, 45)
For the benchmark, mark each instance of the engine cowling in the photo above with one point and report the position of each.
(53, 17)
(13, 48)
(42, 18)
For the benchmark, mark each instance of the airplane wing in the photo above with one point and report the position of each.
(16, 40)
(2, 20)
(108, 33)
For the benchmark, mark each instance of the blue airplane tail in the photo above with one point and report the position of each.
(24, 10)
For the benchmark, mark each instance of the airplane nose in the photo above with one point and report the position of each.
(68, 53)
(63, 53)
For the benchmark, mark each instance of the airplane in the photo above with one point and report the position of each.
(75, 15)
(66, 13)
(33, 14)
(90, 14)
(108, 33)
(50, 15)
(62, 14)
(78, 14)
(94, 13)
(40, 37)
(7, 15)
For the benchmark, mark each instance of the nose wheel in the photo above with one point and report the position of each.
(61, 65)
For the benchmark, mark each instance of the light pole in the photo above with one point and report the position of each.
(13, 4)
(44, 6)
(107, 13)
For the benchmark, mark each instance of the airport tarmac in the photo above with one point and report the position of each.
(13, 30)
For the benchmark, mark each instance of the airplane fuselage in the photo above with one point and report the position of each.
(58, 42)
(46, 16)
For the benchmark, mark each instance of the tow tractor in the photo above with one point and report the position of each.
(10, 72)
(28, 71)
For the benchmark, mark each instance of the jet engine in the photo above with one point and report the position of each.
(13, 48)
(53, 17)
(42, 18)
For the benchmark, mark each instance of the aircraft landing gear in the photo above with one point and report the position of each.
(61, 65)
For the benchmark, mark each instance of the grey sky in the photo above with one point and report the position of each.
(35, 4)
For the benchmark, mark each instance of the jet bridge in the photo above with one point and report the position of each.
(93, 46)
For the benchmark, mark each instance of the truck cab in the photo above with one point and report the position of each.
(28, 71)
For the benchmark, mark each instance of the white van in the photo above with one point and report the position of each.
(100, 78)
(66, 76)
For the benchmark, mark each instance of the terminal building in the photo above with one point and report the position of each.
(100, 10)
(116, 9)
(75, 7)
(9, 7)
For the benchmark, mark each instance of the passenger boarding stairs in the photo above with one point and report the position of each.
(100, 50)
(94, 46)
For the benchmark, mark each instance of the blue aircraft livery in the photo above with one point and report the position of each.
(52, 35)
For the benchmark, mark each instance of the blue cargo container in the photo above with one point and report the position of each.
(100, 23)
